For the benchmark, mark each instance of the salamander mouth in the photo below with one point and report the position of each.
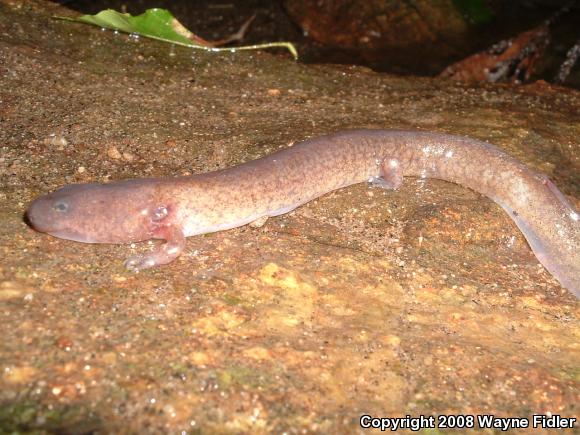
(69, 234)
(64, 233)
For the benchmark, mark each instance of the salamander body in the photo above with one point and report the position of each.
(175, 208)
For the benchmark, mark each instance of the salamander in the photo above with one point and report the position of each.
(174, 208)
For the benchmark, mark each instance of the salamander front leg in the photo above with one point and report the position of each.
(169, 251)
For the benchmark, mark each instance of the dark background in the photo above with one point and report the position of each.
(213, 19)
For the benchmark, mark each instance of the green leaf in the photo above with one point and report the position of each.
(161, 25)
(476, 11)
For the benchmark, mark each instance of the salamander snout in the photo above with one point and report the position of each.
(57, 212)
(42, 212)
(95, 213)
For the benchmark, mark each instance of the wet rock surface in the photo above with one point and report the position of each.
(426, 300)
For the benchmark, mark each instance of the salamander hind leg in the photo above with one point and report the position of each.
(169, 251)
(572, 212)
(390, 175)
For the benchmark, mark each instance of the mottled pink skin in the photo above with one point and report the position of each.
(174, 208)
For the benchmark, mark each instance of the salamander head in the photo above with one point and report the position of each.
(121, 212)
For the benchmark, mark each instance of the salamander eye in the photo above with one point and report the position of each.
(60, 207)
